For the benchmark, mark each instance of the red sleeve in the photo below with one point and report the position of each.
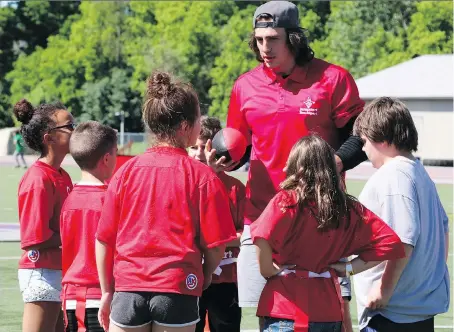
(235, 117)
(275, 221)
(345, 99)
(215, 224)
(108, 223)
(36, 208)
(373, 239)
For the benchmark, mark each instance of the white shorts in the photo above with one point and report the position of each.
(40, 285)
(250, 281)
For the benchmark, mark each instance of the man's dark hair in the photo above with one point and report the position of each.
(297, 42)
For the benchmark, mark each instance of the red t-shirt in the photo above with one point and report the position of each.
(161, 209)
(237, 194)
(274, 113)
(42, 191)
(78, 224)
(294, 238)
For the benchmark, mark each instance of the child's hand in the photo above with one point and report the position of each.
(217, 165)
(339, 267)
(104, 310)
(378, 297)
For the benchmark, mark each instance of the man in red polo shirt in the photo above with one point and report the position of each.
(289, 95)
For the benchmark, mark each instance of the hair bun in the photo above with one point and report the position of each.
(159, 85)
(23, 111)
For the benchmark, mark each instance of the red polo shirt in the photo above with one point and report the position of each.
(294, 239)
(274, 113)
(161, 209)
(42, 191)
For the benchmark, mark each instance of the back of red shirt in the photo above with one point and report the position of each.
(237, 199)
(161, 209)
(295, 240)
(42, 191)
(78, 224)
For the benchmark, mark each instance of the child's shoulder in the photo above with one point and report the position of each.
(86, 197)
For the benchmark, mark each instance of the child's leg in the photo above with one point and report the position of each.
(203, 306)
(40, 316)
(16, 157)
(91, 320)
(23, 159)
(224, 314)
(40, 290)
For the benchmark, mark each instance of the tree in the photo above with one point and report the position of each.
(90, 56)
(23, 27)
(353, 27)
(430, 30)
(235, 59)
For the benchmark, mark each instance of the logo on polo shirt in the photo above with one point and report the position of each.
(33, 255)
(191, 281)
(308, 110)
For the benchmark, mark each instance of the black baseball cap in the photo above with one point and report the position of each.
(284, 14)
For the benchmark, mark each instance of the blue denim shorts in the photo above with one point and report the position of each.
(285, 325)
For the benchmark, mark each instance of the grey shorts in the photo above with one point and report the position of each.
(251, 282)
(136, 309)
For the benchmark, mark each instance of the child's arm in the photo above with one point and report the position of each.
(211, 259)
(265, 258)
(381, 293)
(104, 265)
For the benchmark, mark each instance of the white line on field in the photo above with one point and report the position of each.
(9, 258)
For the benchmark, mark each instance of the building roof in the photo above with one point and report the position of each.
(424, 77)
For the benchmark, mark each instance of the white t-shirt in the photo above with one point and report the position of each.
(403, 195)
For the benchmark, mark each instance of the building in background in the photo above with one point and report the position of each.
(425, 85)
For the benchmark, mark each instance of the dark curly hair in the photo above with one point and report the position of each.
(297, 42)
(36, 122)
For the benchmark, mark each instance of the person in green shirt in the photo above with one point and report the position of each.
(19, 151)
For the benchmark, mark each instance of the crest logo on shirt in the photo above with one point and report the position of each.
(191, 281)
(308, 110)
(33, 255)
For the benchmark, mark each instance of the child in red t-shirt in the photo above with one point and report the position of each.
(303, 233)
(42, 191)
(162, 213)
(220, 299)
(94, 148)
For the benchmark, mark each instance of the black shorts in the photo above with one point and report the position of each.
(379, 323)
(136, 309)
(221, 302)
(91, 321)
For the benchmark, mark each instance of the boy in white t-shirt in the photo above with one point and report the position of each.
(406, 294)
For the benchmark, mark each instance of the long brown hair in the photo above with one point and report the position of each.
(312, 175)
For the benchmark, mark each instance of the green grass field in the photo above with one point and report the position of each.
(10, 299)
